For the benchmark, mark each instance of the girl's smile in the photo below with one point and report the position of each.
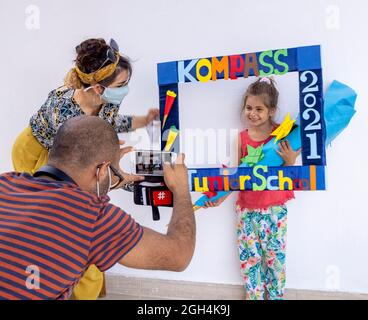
(255, 111)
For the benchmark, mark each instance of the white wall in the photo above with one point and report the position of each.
(327, 237)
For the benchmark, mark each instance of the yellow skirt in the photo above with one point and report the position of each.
(28, 155)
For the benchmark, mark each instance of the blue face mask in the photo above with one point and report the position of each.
(115, 95)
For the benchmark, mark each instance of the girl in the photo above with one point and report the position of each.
(95, 86)
(262, 214)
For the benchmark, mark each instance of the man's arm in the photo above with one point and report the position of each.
(173, 250)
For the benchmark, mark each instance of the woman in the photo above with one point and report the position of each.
(96, 85)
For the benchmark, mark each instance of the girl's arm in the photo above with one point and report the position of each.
(287, 153)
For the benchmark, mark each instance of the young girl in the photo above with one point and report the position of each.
(262, 214)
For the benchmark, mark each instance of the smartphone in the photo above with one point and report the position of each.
(151, 162)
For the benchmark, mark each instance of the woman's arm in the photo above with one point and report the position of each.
(124, 123)
(142, 121)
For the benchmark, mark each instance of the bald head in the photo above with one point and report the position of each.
(84, 141)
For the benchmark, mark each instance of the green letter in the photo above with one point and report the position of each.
(262, 178)
(283, 52)
(265, 64)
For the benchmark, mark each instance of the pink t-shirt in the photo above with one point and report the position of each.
(259, 199)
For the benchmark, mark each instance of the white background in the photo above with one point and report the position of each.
(327, 230)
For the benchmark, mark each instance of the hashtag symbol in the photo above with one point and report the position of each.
(161, 196)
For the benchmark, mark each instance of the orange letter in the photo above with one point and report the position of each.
(220, 66)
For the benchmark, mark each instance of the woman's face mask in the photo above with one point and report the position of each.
(115, 95)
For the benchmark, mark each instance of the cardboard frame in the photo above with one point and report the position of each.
(304, 60)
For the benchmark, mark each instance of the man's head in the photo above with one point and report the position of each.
(84, 148)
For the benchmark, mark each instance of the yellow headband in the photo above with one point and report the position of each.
(99, 75)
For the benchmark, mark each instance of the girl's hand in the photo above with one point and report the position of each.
(287, 153)
(152, 115)
(210, 204)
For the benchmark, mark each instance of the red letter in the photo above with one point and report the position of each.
(236, 65)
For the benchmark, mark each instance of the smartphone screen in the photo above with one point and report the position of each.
(150, 162)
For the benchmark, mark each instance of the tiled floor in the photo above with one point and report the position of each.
(129, 288)
(302, 295)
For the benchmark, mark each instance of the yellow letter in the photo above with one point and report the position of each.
(204, 63)
(243, 179)
(282, 181)
(197, 187)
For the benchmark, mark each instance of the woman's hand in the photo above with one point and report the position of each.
(287, 153)
(152, 115)
(142, 121)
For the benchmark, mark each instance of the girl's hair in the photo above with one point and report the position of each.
(264, 88)
(91, 54)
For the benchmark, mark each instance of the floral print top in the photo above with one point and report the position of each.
(61, 106)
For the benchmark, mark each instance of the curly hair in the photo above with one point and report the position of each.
(91, 56)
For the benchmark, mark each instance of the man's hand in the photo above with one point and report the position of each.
(173, 250)
(176, 176)
(128, 178)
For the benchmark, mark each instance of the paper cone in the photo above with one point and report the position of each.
(173, 133)
(170, 98)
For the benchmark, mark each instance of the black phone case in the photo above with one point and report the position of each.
(144, 195)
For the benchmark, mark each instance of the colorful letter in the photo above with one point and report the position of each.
(204, 63)
(226, 180)
(212, 180)
(283, 52)
(269, 185)
(234, 184)
(265, 64)
(198, 188)
(301, 184)
(251, 63)
(313, 184)
(236, 65)
(185, 71)
(242, 180)
(219, 67)
(282, 181)
(263, 184)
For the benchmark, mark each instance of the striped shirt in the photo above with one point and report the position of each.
(51, 231)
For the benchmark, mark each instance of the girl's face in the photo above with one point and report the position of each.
(256, 113)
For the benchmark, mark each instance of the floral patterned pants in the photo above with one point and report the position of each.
(262, 242)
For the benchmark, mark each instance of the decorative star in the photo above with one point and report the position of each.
(254, 155)
(284, 128)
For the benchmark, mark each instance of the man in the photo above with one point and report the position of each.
(56, 224)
